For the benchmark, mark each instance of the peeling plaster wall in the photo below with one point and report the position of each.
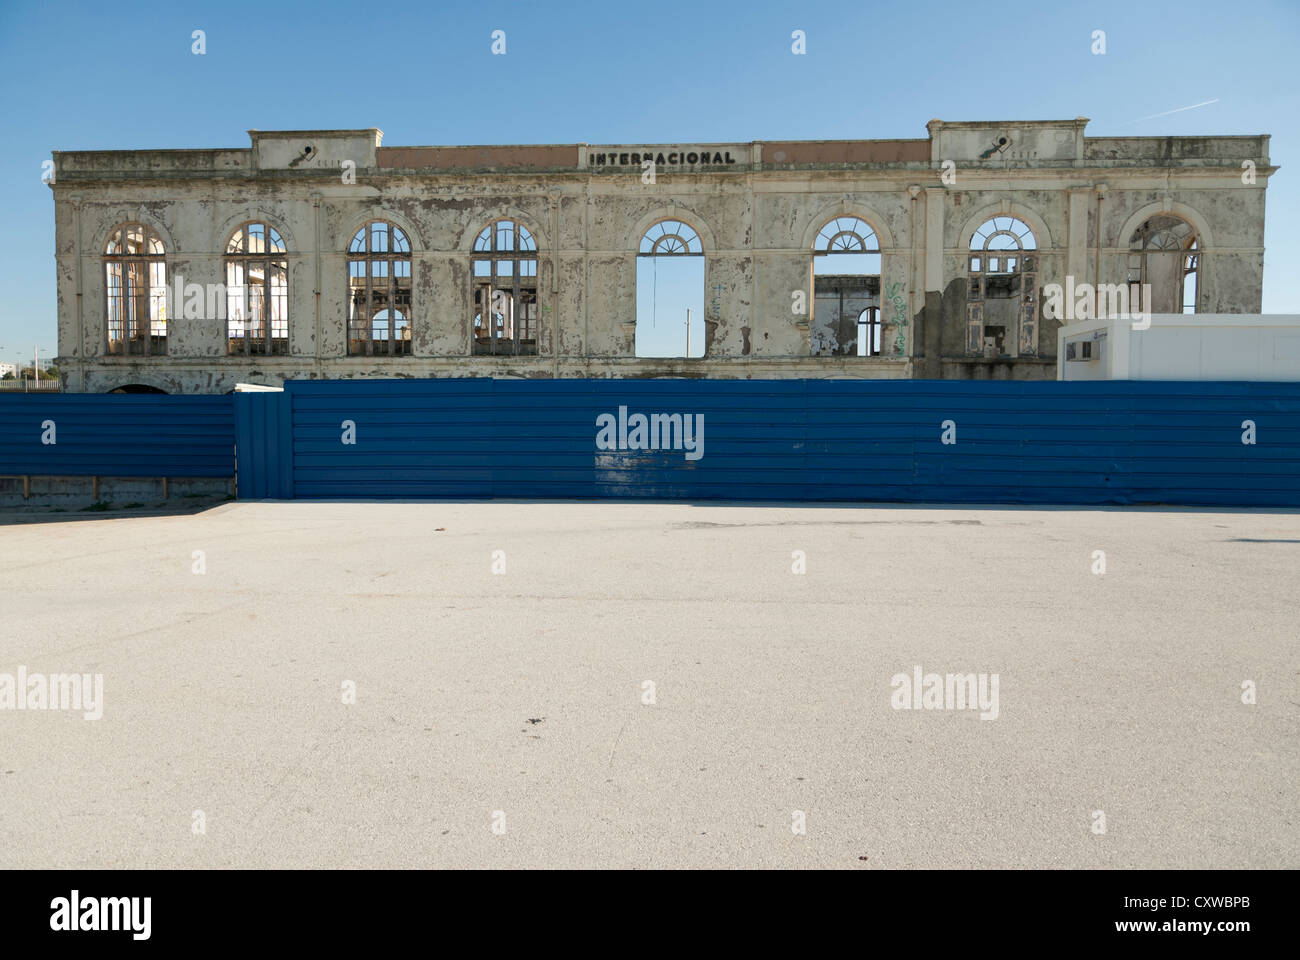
(756, 220)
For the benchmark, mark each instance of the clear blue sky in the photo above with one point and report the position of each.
(121, 76)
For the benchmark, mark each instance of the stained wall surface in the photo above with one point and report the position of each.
(757, 208)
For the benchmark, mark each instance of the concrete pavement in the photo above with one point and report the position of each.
(650, 685)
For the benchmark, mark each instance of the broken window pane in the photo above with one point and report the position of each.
(135, 283)
(379, 284)
(1164, 252)
(504, 320)
(671, 238)
(869, 331)
(670, 301)
(256, 292)
(1003, 306)
(846, 320)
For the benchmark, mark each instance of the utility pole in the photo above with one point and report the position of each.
(688, 331)
(36, 363)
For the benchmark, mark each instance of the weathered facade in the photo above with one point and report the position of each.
(322, 254)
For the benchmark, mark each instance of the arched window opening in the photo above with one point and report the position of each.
(505, 288)
(135, 285)
(389, 325)
(257, 292)
(869, 332)
(1002, 290)
(1165, 258)
(379, 282)
(846, 290)
(670, 291)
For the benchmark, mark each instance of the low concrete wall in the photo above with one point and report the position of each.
(78, 492)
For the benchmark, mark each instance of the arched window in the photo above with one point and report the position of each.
(257, 292)
(670, 291)
(1002, 290)
(379, 284)
(671, 238)
(387, 325)
(869, 331)
(505, 286)
(135, 284)
(846, 290)
(1165, 253)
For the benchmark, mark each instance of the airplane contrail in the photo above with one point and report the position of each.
(1179, 110)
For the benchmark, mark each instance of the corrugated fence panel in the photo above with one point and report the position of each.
(1101, 442)
(263, 445)
(117, 435)
(410, 438)
(1015, 442)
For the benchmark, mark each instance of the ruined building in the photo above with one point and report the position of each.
(324, 254)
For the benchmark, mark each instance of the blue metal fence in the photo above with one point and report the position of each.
(122, 435)
(1014, 442)
(264, 446)
(1085, 443)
